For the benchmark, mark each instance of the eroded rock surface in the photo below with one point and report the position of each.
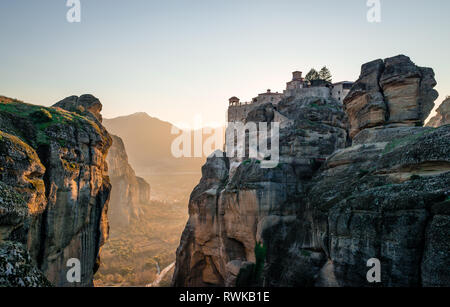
(87, 105)
(442, 115)
(237, 203)
(393, 92)
(332, 203)
(129, 191)
(55, 160)
(379, 200)
(17, 268)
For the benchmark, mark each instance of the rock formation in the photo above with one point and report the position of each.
(332, 203)
(54, 185)
(128, 190)
(87, 105)
(144, 190)
(236, 202)
(17, 268)
(392, 92)
(442, 115)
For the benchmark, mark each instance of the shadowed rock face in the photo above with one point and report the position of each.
(442, 115)
(378, 199)
(383, 195)
(392, 92)
(55, 160)
(17, 268)
(128, 190)
(237, 201)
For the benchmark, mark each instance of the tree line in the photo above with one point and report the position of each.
(324, 74)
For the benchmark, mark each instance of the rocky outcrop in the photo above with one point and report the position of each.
(55, 160)
(237, 202)
(384, 194)
(442, 115)
(393, 92)
(87, 105)
(128, 190)
(17, 268)
(144, 190)
(379, 199)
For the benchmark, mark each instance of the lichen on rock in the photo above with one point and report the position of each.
(332, 203)
(55, 159)
(17, 268)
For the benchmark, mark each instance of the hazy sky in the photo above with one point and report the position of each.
(176, 59)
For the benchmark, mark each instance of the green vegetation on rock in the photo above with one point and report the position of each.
(42, 116)
(37, 119)
(404, 141)
(260, 255)
(11, 202)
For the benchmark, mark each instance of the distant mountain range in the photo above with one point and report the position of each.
(148, 142)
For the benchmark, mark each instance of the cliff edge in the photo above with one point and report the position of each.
(129, 190)
(52, 165)
(442, 117)
(350, 187)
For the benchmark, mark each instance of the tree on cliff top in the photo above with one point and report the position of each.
(312, 75)
(325, 74)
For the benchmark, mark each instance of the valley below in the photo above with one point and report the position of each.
(133, 255)
(144, 231)
(172, 186)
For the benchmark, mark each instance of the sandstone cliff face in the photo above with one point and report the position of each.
(381, 198)
(233, 206)
(442, 115)
(55, 160)
(392, 92)
(144, 190)
(128, 190)
(384, 195)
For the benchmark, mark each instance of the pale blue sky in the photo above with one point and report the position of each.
(175, 59)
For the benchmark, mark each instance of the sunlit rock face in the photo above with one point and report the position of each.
(442, 117)
(333, 202)
(128, 190)
(55, 159)
(86, 105)
(393, 92)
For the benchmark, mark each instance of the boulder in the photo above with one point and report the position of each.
(87, 105)
(393, 92)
